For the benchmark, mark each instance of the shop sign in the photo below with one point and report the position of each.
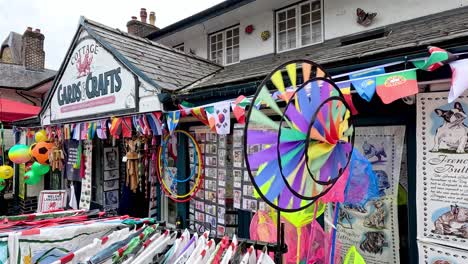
(93, 84)
(51, 201)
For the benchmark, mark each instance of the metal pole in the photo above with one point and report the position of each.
(279, 238)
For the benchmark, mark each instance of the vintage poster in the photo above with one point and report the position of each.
(373, 228)
(442, 170)
(437, 254)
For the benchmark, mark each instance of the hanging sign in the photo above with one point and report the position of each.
(93, 83)
(51, 201)
(442, 166)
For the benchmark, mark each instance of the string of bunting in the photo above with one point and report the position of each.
(368, 82)
(388, 86)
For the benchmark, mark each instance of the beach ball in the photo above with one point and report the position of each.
(19, 154)
(40, 136)
(40, 152)
(31, 178)
(6, 172)
(40, 169)
(2, 184)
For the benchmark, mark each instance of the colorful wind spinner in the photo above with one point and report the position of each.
(306, 130)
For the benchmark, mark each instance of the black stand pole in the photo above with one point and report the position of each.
(279, 238)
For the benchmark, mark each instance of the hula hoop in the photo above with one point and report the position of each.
(199, 177)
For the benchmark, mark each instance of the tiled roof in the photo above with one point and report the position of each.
(14, 42)
(162, 66)
(419, 32)
(18, 77)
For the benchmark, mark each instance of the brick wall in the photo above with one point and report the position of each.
(33, 49)
(28, 205)
(140, 29)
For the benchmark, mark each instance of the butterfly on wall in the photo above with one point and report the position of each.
(364, 18)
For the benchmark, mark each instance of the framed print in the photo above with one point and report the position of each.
(111, 175)
(112, 198)
(111, 185)
(111, 158)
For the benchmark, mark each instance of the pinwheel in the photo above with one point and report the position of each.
(307, 135)
(169, 180)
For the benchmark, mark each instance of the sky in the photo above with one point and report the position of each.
(58, 19)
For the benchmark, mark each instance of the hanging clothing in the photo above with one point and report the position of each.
(187, 251)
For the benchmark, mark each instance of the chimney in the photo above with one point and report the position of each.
(143, 15)
(140, 27)
(33, 49)
(152, 18)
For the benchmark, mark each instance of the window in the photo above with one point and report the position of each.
(299, 25)
(180, 47)
(224, 46)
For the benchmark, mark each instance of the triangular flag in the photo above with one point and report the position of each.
(437, 59)
(345, 88)
(459, 79)
(200, 114)
(210, 114)
(185, 108)
(393, 86)
(238, 108)
(154, 121)
(365, 88)
(172, 120)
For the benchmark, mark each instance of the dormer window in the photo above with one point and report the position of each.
(180, 47)
(224, 46)
(299, 25)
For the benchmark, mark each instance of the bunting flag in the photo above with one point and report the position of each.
(366, 87)
(437, 58)
(101, 129)
(121, 125)
(127, 127)
(172, 120)
(66, 131)
(238, 108)
(137, 124)
(77, 131)
(145, 125)
(185, 108)
(345, 88)
(154, 122)
(84, 131)
(393, 86)
(459, 79)
(200, 114)
(91, 130)
(222, 116)
(210, 112)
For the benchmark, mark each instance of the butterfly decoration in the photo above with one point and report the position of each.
(364, 18)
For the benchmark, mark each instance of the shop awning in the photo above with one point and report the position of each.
(12, 110)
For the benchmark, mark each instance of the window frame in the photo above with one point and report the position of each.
(178, 46)
(224, 44)
(298, 27)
